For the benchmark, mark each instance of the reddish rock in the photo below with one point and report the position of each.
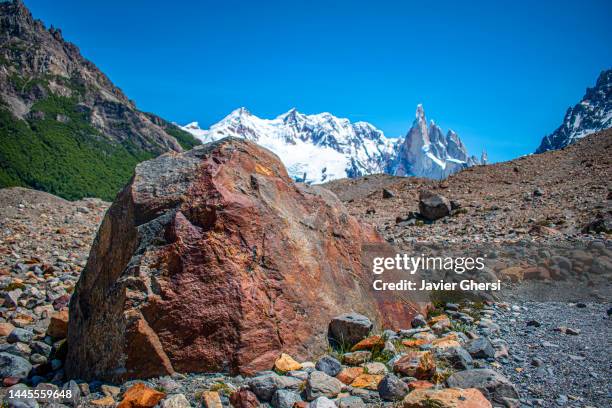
(348, 375)
(141, 396)
(369, 343)
(418, 364)
(419, 384)
(58, 326)
(368, 381)
(446, 398)
(244, 399)
(10, 381)
(214, 259)
(6, 329)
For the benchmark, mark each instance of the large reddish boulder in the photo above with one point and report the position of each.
(215, 260)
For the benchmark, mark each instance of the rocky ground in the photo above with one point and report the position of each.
(534, 197)
(547, 343)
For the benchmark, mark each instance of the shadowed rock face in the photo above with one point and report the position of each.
(213, 259)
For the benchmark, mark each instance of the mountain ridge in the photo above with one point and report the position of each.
(592, 114)
(65, 127)
(321, 147)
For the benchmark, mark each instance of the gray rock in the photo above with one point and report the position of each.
(285, 399)
(349, 328)
(411, 332)
(480, 348)
(49, 387)
(329, 365)
(175, 401)
(38, 359)
(433, 206)
(302, 375)
(418, 321)
(14, 366)
(18, 402)
(357, 357)
(322, 402)
(41, 348)
(456, 357)
(265, 385)
(19, 335)
(320, 384)
(391, 388)
(494, 386)
(75, 393)
(386, 193)
(350, 402)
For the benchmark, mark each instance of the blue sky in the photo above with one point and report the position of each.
(500, 73)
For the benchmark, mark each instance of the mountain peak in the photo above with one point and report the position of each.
(592, 114)
(420, 112)
(241, 111)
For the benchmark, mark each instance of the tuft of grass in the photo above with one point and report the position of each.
(221, 387)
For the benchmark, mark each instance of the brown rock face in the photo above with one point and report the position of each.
(213, 260)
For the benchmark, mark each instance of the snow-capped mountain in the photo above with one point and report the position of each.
(319, 148)
(426, 152)
(592, 114)
(314, 148)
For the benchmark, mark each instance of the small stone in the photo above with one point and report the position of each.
(356, 357)
(480, 348)
(533, 323)
(419, 384)
(211, 399)
(41, 348)
(14, 366)
(103, 402)
(439, 323)
(419, 364)
(368, 381)
(110, 390)
(369, 343)
(320, 384)
(322, 402)
(418, 321)
(572, 331)
(20, 335)
(244, 399)
(494, 386)
(264, 386)
(37, 359)
(6, 329)
(175, 401)
(433, 206)
(375, 368)
(84, 387)
(140, 396)
(348, 375)
(286, 363)
(537, 362)
(329, 365)
(58, 326)
(285, 399)
(391, 388)
(350, 402)
(349, 328)
(387, 193)
(446, 398)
